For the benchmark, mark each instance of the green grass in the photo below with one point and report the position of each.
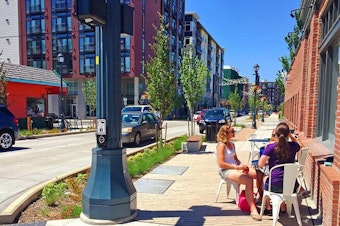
(140, 163)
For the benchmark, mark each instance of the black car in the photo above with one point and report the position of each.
(214, 116)
(53, 116)
(9, 128)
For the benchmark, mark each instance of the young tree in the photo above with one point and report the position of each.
(89, 92)
(161, 83)
(3, 83)
(193, 79)
(235, 102)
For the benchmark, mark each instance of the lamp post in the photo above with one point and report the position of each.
(257, 81)
(60, 58)
(263, 100)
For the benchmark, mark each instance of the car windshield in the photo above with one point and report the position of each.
(132, 108)
(130, 118)
(214, 113)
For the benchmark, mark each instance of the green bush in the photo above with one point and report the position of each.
(144, 161)
(53, 192)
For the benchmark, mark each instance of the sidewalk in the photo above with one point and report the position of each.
(189, 183)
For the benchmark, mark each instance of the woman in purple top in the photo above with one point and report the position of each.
(279, 152)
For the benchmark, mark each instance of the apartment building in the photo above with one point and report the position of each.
(48, 28)
(210, 52)
(273, 94)
(9, 37)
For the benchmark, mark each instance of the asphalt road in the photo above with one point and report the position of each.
(34, 161)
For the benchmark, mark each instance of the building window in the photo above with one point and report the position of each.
(72, 87)
(87, 64)
(35, 107)
(327, 98)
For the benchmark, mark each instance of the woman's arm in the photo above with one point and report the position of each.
(263, 160)
(295, 139)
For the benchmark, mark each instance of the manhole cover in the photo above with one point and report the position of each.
(169, 170)
(153, 186)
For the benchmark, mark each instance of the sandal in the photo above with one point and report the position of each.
(256, 217)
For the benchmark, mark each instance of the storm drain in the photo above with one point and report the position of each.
(169, 170)
(153, 186)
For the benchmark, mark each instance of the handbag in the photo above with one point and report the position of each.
(242, 202)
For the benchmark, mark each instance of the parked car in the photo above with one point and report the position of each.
(196, 115)
(53, 116)
(218, 116)
(139, 126)
(9, 128)
(139, 108)
(201, 115)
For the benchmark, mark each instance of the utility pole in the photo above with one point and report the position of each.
(109, 196)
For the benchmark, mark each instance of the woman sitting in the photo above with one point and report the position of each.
(232, 169)
(279, 152)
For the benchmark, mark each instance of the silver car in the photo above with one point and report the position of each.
(139, 126)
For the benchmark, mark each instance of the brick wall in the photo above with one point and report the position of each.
(301, 102)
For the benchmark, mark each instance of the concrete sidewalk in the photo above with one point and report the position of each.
(189, 183)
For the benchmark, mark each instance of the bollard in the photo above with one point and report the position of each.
(29, 127)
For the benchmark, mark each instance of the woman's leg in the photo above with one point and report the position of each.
(247, 180)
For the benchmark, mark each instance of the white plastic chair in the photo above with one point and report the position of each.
(253, 149)
(288, 195)
(228, 184)
(301, 160)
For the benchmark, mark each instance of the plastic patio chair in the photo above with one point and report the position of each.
(228, 184)
(288, 195)
(301, 160)
(253, 150)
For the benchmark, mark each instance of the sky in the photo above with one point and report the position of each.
(250, 31)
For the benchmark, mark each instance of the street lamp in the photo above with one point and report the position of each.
(263, 100)
(257, 81)
(60, 58)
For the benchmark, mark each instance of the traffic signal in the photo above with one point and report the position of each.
(91, 12)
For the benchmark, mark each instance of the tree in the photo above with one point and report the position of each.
(235, 102)
(3, 84)
(89, 92)
(161, 83)
(193, 79)
(292, 39)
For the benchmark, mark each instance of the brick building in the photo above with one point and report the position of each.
(312, 102)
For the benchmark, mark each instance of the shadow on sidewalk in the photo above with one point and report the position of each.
(194, 216)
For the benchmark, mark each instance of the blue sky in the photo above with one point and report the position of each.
(250, 31)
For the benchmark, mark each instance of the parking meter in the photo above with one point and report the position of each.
(101, 132)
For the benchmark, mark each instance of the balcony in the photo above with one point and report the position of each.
(198, 49)
(35, 30)
(60, 6)
(34, 9)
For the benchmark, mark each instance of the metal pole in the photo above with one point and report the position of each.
(109, 196)
(62, 117)
(254, 112)
(262, 110)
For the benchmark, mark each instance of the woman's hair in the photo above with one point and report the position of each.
(282, 148)
(222, 135)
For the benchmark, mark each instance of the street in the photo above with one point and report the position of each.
(33, 161)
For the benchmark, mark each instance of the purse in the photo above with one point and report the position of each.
(242, 202)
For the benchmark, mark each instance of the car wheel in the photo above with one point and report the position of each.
(137, 138)
(6, 140)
